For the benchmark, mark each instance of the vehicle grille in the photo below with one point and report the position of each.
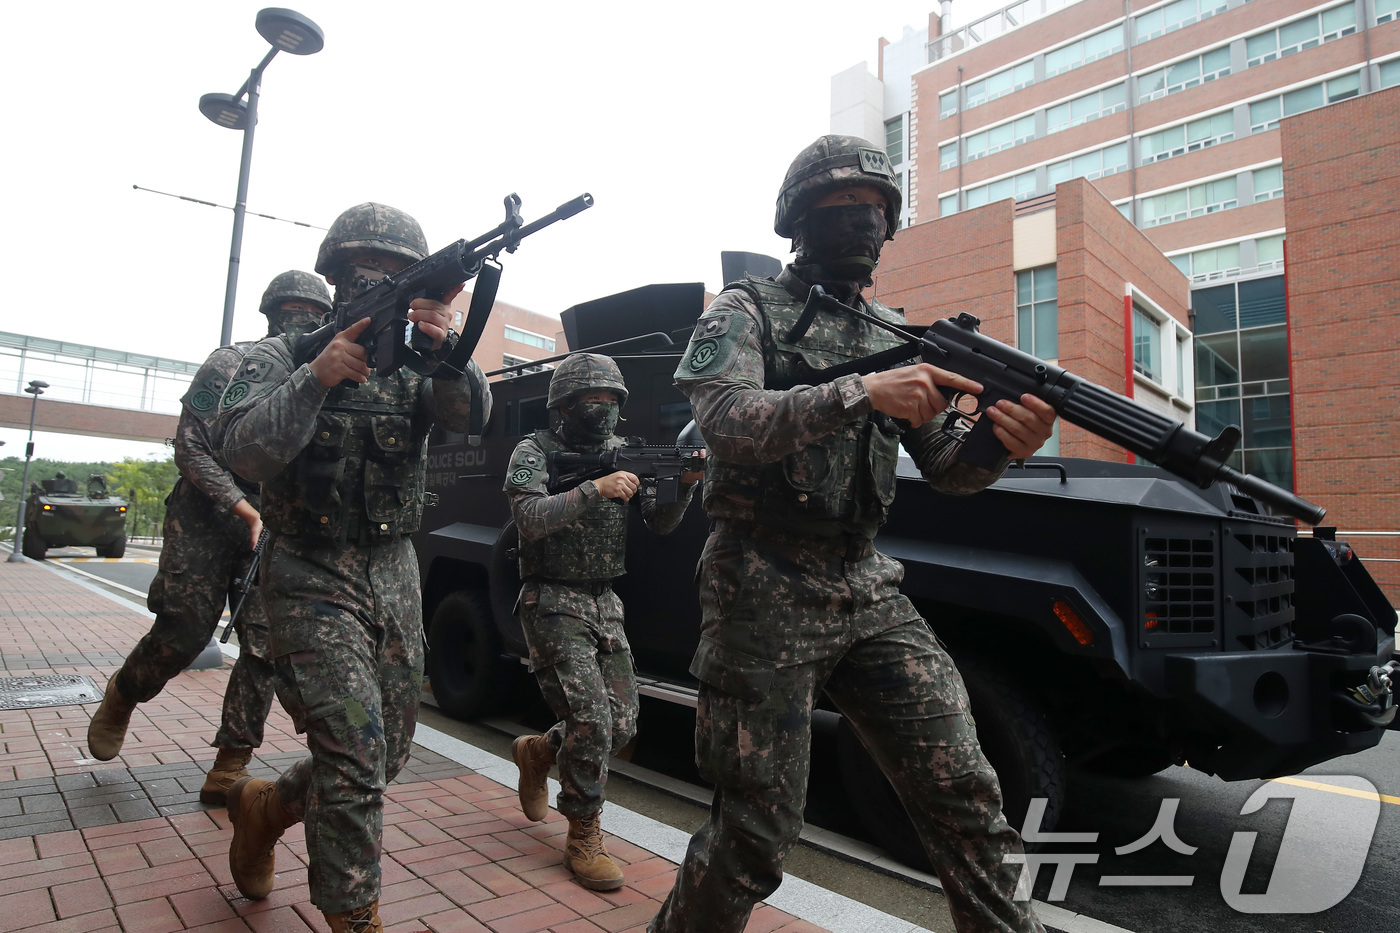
(1179, 590)
(1259, 590)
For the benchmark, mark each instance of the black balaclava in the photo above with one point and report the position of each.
(844, 241)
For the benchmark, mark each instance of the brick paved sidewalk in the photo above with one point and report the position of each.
(125, 845)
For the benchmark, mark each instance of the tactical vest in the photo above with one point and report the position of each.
(842, 483)
(360, 479)
(594, 547)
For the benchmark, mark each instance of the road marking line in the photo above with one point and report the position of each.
(104, 581)
(1336, 789)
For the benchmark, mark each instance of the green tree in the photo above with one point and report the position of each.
(145, 485)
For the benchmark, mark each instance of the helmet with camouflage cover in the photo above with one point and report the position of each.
(585, 372)
(370, 226)
(831, 163)
(295, 285)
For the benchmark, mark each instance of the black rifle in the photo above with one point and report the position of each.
(244, 586)
(387, 338)
(955, 344)
(660, 465)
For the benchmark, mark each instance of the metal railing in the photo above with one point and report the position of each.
(94, 375)
(992, 26)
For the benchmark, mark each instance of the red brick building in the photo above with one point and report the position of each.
(1341, 165)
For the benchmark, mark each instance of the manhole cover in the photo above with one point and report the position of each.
(47, 690)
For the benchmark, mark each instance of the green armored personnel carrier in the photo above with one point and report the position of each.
(58, 515)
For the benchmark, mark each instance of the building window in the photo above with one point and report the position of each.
(894, 139)
(1242, 372)
(1000, 137)
(1037, 314)
(1311, 30)
(530, 339)
(1000, 84)
(948, 156)
(1174, 16)
(510, 361)
(1268, 183)
(1268, 252)
(1090, 165)
(1204, 265)
(1017, 186)
(1082, 52)
(948, 204)
(947, 104)
(1207, 198)
(1147, 345)
(1196, 70)
(1188, 137)
(1086, 108)
(1387, 10)
(1265, 114)
(1390, 71)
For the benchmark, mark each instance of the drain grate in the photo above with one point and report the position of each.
(47, 690)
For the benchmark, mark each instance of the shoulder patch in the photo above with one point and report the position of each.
(526, 464)
(236, 392)
(712, 345)
(254, 370)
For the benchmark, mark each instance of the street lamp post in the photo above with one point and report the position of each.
(285, 31)
(35, 388)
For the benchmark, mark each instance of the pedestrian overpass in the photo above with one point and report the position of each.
(92, 391)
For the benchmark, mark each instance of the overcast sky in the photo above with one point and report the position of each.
(679, 119)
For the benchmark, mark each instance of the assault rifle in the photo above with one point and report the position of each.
(388, 339)
(955, 344)
(662, 465)
(244, 586)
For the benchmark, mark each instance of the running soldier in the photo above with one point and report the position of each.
(794, 597)
(211, 526)
(572, 546)
(342, 468)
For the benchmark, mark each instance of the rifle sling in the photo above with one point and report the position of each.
(866, 364)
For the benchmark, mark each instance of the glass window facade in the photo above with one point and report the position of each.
(1000, 137)
(1184, 74)
(1301, 34)
(1081, 52)
(1000, 84)
(1265, 114)
(1086, 108)
(1147, 345)
(529, 339)
(894, 139)
(1242, 372)
(1207, 198)
(1090, 165)
(1268, 183)
(1187, 137)
(1037, 312)
(1174, 16)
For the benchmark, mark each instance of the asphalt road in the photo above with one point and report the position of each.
(1292, 855)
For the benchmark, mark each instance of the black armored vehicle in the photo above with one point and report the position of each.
(1107, 615)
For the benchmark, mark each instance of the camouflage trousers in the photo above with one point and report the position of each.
(204, 554)
(783, 619)
(579, 654)
(347, 635)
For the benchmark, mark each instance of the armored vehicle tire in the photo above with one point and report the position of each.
(1016, 737)
(116, 548)
(33, 546)
(468, 673)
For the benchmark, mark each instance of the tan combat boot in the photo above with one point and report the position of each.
(587, 857)
(360, 920)
(230, 767)
(534, 758)
(107, 731)
(259, 820)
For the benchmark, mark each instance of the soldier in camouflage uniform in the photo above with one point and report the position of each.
(211, 525)
(340, 451)
(572, 546)
(795, 599)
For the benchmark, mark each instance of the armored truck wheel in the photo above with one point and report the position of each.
(115, 549)
(33, 546)
(465, 667)
(1017, 738)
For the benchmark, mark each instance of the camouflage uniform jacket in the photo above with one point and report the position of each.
(538, 514)
(269, 412)
(197, 437)
(747, 425)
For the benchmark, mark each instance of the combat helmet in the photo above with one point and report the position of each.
(295, 285)
(582, 373)
(830, 163)
(371, 226)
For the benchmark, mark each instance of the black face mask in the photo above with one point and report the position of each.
(845, 239)
(591, 422)
(296, 323)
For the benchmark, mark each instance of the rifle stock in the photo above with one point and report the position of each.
(956, 344)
